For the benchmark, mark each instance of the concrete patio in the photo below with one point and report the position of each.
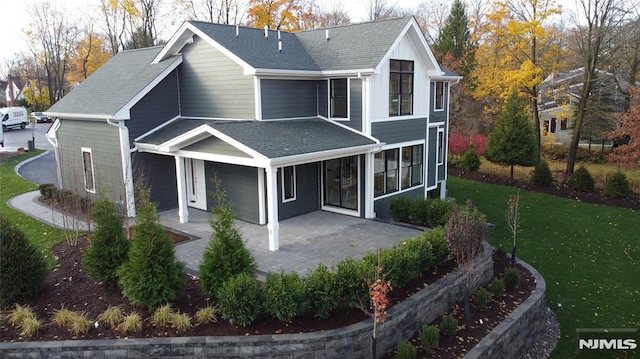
(305, 241)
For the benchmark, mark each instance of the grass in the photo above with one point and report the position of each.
(40, 234)
(588, 255)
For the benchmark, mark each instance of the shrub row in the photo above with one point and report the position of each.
(288, 295)
(66, 198)
(560, 153)
(428, 212)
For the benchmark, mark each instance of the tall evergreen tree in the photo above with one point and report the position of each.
(454, 47)
(513, 140)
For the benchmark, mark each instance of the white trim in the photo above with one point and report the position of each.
(399, 146)
(341, 210)
(390, 194)
(196, 183)
(440, 153)
(183, 208)
(324, 155)
(257, 85)
(366, 105)
(399, 118)
(262, 210)
(329, 117)
(295, 185)
(369, 208)
(157, 128)
(435, 94)
(436, 124)
(307, 73)
(78, 116)
(272, 208)
(84, 150)
(52, 137)
(127, 169)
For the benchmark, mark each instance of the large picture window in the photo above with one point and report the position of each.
(412, 166)
(338, 98)
(288, 183)
(87, 165)
(400, 87)
(438, 100)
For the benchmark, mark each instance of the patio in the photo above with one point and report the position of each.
(305, 240)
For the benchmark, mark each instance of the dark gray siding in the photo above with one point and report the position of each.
(306, 192)
(241, 186)
(212, 85)
(432, 158)
(323, 98)
(399, 130)
(381, 206)
(157, 107)
(289, 98)
(159, 173)
(439, 116)
(104, 142)
(355, 103)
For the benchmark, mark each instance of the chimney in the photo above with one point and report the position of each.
(326, 34)
(266, 32)
(237, 30)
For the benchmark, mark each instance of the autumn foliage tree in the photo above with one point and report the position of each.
(628, 154)
(288, 15)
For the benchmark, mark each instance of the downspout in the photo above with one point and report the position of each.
(127, 175)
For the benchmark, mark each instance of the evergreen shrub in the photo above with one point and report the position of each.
(285, 295)
(581, 180)
(240, 300)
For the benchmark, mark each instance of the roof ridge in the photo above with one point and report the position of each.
(356, 24)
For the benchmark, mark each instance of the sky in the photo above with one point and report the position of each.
(16, 19)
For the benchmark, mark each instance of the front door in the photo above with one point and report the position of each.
(341, 183)
(196, 183)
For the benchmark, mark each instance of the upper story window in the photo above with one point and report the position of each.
(438, 101)
(400, 87)
(87, 164)
(338, 98)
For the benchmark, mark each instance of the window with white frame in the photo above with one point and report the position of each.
(412, 166)
(87, 165)
(440, 146)
(338, 98)
(400, 87)
(438, 100)
(288, 183)
(398, 169)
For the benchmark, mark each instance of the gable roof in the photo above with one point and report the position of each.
(116, 86)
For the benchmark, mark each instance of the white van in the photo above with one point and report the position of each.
(13, 117)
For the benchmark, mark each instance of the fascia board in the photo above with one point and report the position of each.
(324, 155)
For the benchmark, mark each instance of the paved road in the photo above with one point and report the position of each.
(41, 170)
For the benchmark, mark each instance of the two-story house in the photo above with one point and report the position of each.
(340, 119)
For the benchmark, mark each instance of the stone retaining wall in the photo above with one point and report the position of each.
(403, 321)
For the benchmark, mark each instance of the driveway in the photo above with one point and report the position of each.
(41, 170)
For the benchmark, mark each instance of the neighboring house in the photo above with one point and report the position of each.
(558, 100)
(13, 91)
(340, 119)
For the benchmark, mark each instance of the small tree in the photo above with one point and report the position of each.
(628, 154)
(108, 244)
(466, 230)
(378, 301)
(513, 221)
(226, 256)
(151, 275)
(22, 266)
(513, 140)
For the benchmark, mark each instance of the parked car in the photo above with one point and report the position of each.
(40, 117)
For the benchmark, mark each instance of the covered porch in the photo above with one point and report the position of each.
(305, 240)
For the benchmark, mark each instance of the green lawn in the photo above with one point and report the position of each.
(588, 255)
(40, 234)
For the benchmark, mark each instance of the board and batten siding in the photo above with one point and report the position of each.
(159, 174)
(399, 131)
(156, 108)
(241, 186)
(307, 189)
(439, 116)
(288, 98)
(104, 142)
(212, 85)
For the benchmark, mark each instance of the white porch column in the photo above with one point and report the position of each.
(369, 209)
(183, 210)
(272, 207)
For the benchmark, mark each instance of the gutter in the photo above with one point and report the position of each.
(127, 175)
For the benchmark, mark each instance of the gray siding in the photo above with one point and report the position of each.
(289, 98)
(355, 103)
(104, 142)
(159, 173)
(241, 186)
(432, 158)
(399, 130)
(323, 98)
(212, 85)
(439, 116)
(157, 107)
(381, 206)
(306, 192)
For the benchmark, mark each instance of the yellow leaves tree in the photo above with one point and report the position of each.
(518, 48)
(36, 95)
(90, 53)
(290, 15)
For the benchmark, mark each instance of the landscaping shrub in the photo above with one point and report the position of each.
(511, 278)
(440, 247)
(560, 153)
(482, 297)
(322, 290)
(581, 180)
(617, 185)
(22, 266)
(401, 209)
(429, 337)
(501, 253)
(470, 160)
(479, 143)
(350, 275)
(151, 275)
(449, 326)
(400, 264)
(541, 174)
(162, 316)
(285, 295)
(240, 300)
(406, 350)
(182, 322)
(112, 316)
(108, 244)
(496, 287)
(48, 190)
(424, 252)
(226, 256)
(431, 212)
(131, 323)
(208, 314)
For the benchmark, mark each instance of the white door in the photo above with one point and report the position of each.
(196, 183)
